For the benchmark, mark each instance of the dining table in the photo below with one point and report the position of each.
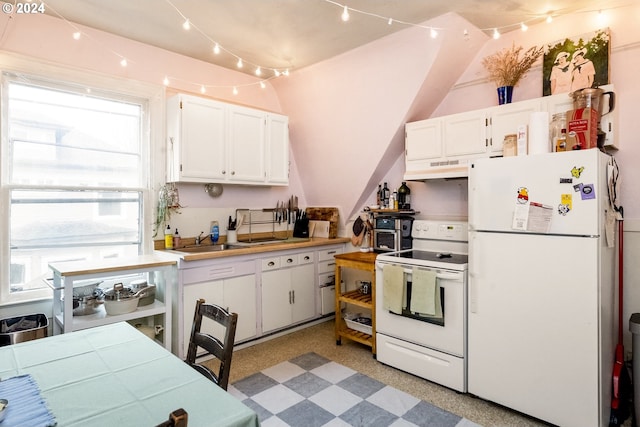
(111, 375)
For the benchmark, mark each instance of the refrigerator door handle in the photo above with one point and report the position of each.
(473, 285)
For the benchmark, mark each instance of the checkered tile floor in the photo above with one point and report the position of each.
(310, 391)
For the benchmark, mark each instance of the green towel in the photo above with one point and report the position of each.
(425, 297)
(393, 288)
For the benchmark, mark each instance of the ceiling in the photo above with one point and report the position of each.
(288, 34)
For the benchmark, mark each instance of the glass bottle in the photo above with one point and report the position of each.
(385, 196)
(404, 197)
(558, 130)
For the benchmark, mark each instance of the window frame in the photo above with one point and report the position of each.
(151, 151)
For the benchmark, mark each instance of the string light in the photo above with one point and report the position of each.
(345, 14)
(217, 48)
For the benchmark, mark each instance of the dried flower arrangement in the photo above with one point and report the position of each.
(506, 67)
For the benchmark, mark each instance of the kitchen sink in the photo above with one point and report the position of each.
(204, 248)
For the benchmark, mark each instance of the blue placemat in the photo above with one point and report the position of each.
(26, 406)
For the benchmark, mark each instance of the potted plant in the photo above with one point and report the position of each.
(508, 66)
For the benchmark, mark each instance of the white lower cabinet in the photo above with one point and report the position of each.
(288, 290)
(236, 294)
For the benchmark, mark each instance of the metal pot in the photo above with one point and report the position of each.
(86, 288)
(87, 305)
(149, 290)
(121, 300)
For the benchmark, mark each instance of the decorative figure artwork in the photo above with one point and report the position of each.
(576, 63)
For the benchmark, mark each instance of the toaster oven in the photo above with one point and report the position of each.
(392, 233)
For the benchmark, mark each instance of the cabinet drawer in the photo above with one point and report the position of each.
(326, 279)
(305, 258)
(270, 263)
(328, 266)
(217, 271)
(288, 260)
(328, 254)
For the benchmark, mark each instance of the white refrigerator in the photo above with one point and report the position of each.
(541, 333)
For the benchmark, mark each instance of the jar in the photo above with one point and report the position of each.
(558, 131)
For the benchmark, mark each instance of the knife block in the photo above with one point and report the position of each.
(301, 228)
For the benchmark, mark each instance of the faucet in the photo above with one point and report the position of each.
(199, 238)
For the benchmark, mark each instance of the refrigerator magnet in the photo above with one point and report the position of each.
(588, 191)
(576, 172)
(566, 204)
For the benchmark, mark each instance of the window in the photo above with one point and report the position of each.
(75, 178)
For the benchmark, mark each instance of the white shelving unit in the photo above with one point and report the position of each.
(158, 271)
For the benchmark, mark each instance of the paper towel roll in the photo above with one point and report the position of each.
(539, 141)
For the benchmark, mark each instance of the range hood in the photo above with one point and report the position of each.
(443, 169)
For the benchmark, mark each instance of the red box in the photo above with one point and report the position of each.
(582, 129)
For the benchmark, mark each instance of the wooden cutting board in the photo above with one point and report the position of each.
(325, 214)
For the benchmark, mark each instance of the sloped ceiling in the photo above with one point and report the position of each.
(288, 33)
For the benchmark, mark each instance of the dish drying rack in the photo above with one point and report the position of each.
(258, 218)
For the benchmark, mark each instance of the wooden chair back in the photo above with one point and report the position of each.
(220, 348)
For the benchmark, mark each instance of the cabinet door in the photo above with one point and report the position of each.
(505, 120)
(423, 143)
(202, 139)
(465, 134)
(276, 299)
(246, 145)
(211, 292)
(277, 150)
(303, 288)
(240, 297)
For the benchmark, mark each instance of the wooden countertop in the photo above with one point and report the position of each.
(280, 246)
(78, 268)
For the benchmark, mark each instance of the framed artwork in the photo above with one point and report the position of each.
(576, 63)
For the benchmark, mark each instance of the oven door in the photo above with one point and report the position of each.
(385, 240)
(445, 333)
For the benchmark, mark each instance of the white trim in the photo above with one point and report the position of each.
(153, 127)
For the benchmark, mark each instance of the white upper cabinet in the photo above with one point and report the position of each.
(465, 134)
(212, 141)
(443, 147)
(277, 149)
(196, 134)
(246, 145)
(506, 119)
(423, 143)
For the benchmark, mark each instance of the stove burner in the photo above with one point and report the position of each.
(431, 256)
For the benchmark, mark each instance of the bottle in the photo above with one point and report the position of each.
(176, 239)
(168, 238)
(385, 196)
(404, 197)
(395, 203)
(215, 232)
(378, 195)
(558, 131)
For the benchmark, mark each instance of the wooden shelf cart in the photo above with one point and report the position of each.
(365, 261)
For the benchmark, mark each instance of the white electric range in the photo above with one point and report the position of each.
(421, 304)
